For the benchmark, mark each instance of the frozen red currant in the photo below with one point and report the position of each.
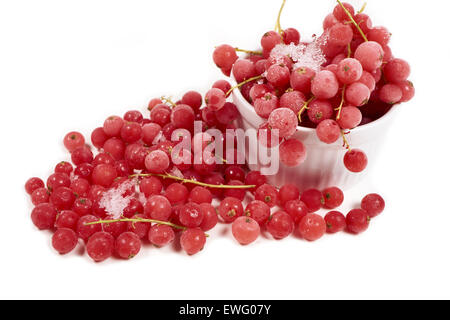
(64, 240)
(357, 221)
(100, 246)
(193, 240)
(245, 230)
(373, 204)
(127, 245)
(313, 199)
(44, 216)
(335, 222)
(333, 197)
(267, 194)
(73, 140)
(312, 227)
(297, 209)
(280, 225)
(161, 235)
(230, 209)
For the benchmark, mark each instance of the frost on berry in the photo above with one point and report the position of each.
(115, 200)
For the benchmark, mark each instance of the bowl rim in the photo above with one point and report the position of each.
(385, 118)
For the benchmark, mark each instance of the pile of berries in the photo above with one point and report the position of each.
(342, 79)
(133, 185)
(114, 207)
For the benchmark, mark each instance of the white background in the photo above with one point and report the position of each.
(67, 65)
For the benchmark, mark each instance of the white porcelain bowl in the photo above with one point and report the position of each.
(324, 165)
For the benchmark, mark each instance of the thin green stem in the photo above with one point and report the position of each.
(256, 53)
(304, 108)
(242, 83)
(339, 109)
(169, 101)
(353, 21)
(198, 183)
(278, 23)
(344, 138)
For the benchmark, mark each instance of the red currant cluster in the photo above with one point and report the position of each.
(135, 186)
(344, 78)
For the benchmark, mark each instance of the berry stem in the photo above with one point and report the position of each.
(202, 184)
(339, 109)
(353, 21)
(349, 50)
(344, 138)
(363, 8)
(242, 83)
(304, 108)
(278, 23)
(256, 53)
(169, 101)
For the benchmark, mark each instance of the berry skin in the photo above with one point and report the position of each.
(39, 196)
(278, 76)
(99, 137)
(284, 120)
(255, 178)
(158, 207)
(115, 228)
(161, 235)
(230, 209)
(291, 35)
(133, 116)
(408, 90)
(157, 161)
(370, 55)
(355, 160)
(210, 218)
(340, 14)
(177, 193)
(64, 167)
(267, 194)
(57, 180)
(85, 231)
(350, 118)
(193, 240)
(335, 222)
(64, 240)
(150, 186)
(100, 246)
(190, 215)
(82, 155)
(245, 230)
(292, 153)
(301, 79)
(325, 85)
(44, 216)
(192, 99)
(82, 206)
(258, 211)
(313, 199)
(312, 227)
(287, 193)
(113, 125)
(127, 245)
(104, 175)
(62, 198)
(373, 204)
(73, 140)
(33, 184)
(391, 93)
(131, 132)
(67, 219)
(357, 94)
(349, 71)
(328, 131)
(224, 56)
(139, 228)
(333, 197)
(200, 195)
(269, 40)
(297, 209)
(265, 105)
(280, 225)
(357, 221)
